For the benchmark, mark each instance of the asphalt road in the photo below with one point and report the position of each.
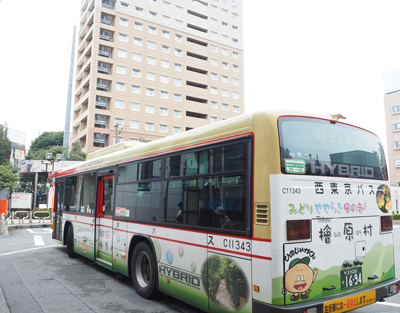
(36, 275)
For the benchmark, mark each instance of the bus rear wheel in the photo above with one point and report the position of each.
(144, 271)
(70, 242)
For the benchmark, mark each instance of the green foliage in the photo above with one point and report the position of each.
(8, 177)
(45, 141)
(396, 216)
(236, 282)
(5, 146)
(76, 153)
(41, 153)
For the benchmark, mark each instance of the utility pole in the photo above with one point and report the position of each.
(118, 131)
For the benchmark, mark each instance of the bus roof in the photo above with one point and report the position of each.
(230, 128)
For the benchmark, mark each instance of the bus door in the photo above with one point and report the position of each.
(60, 187)
(104, 214)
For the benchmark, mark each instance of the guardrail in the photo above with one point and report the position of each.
(26, 215)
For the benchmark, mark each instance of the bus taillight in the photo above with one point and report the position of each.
(298, 229)
(386, 223)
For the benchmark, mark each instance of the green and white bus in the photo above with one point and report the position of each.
(266, 212)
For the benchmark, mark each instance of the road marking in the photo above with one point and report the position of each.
(38, 241)
(46, 231)
(389, 304)
(8, 253)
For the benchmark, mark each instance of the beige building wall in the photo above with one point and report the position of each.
(392, 116)
(157, 67)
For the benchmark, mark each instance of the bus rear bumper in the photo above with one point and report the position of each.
(335, 303)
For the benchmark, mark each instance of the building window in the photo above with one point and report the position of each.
(152, 30)
(214, 104)
(225, 107)
(235, 29)
(177, 130)
(135, 89)
(224, 25)
(138, 11)
(397, 144)
(214, 62)
(234, 16)
(149, 109)
(214, 48)
(165, 34)
(396, 109)
(225, 65)
(214, 35)
(235, 81)
(164, 79)
(124, 6)
(163, 128)
(121, 69)
(119, 121)
(165, 49)
(137, 57)
(136, 73)
(123, 21)
(179, 9)
(224, 38)
(235, 68)
(225, 93)
(178, 52)
(177, 114)
(178, 82)
(214, 119)
(224, 12)
(178, 38)
(214, 76)
(178, 23)
(214, 8)
(122, 53)
(152, 45)
(235, 95)
(214, 21)
(165, 63)
(166, 5)
(177, 97)
(151, 60)
(163, 94)
(235, 109)
(178, 67)
(225, 79)
(166, 19)
(135, 106)
(134, 124)
(396, 127)
(153, 15)
(164, 111)
(137, 41)
(122, 37)
(397, 161)
(149, 126)
(138, 26)
(235, 41)
(225, 51)
(150, 76)
(150, 92)
(120, 86)
(119, 104)
(214, 90)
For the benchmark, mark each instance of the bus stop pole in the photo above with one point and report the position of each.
(1, 224)
(35, 194)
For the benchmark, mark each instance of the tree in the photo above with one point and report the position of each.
(5, 146)
(45, 141)
(8, 177)
(41, 153)
(76, 153)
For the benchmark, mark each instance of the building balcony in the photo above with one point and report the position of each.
(108, 4)
(102, 102)
(99, 138)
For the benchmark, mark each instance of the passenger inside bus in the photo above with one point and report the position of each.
(225, 221)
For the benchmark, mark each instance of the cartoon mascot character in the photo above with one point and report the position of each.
(299, 278)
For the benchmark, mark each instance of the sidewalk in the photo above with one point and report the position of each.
(20, 224)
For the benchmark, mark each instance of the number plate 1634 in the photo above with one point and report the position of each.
(351, 277)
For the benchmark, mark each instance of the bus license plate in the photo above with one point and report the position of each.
(351, 278)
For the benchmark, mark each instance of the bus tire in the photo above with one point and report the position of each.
(144, 271)
(70, 242)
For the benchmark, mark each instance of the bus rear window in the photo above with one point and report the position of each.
(325, 148)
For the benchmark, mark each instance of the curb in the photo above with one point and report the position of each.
(7, 227)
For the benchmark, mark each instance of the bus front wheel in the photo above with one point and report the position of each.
(144, 271)
(70, 242)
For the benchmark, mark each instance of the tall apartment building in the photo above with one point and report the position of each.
(156, 68)
(391, 81)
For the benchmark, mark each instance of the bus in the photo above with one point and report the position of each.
(271, 211)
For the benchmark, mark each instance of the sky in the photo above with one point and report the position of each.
(315, 56)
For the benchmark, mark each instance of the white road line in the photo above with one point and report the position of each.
(38, 241)
(26, 250)
(43, 231)
(389, 304)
